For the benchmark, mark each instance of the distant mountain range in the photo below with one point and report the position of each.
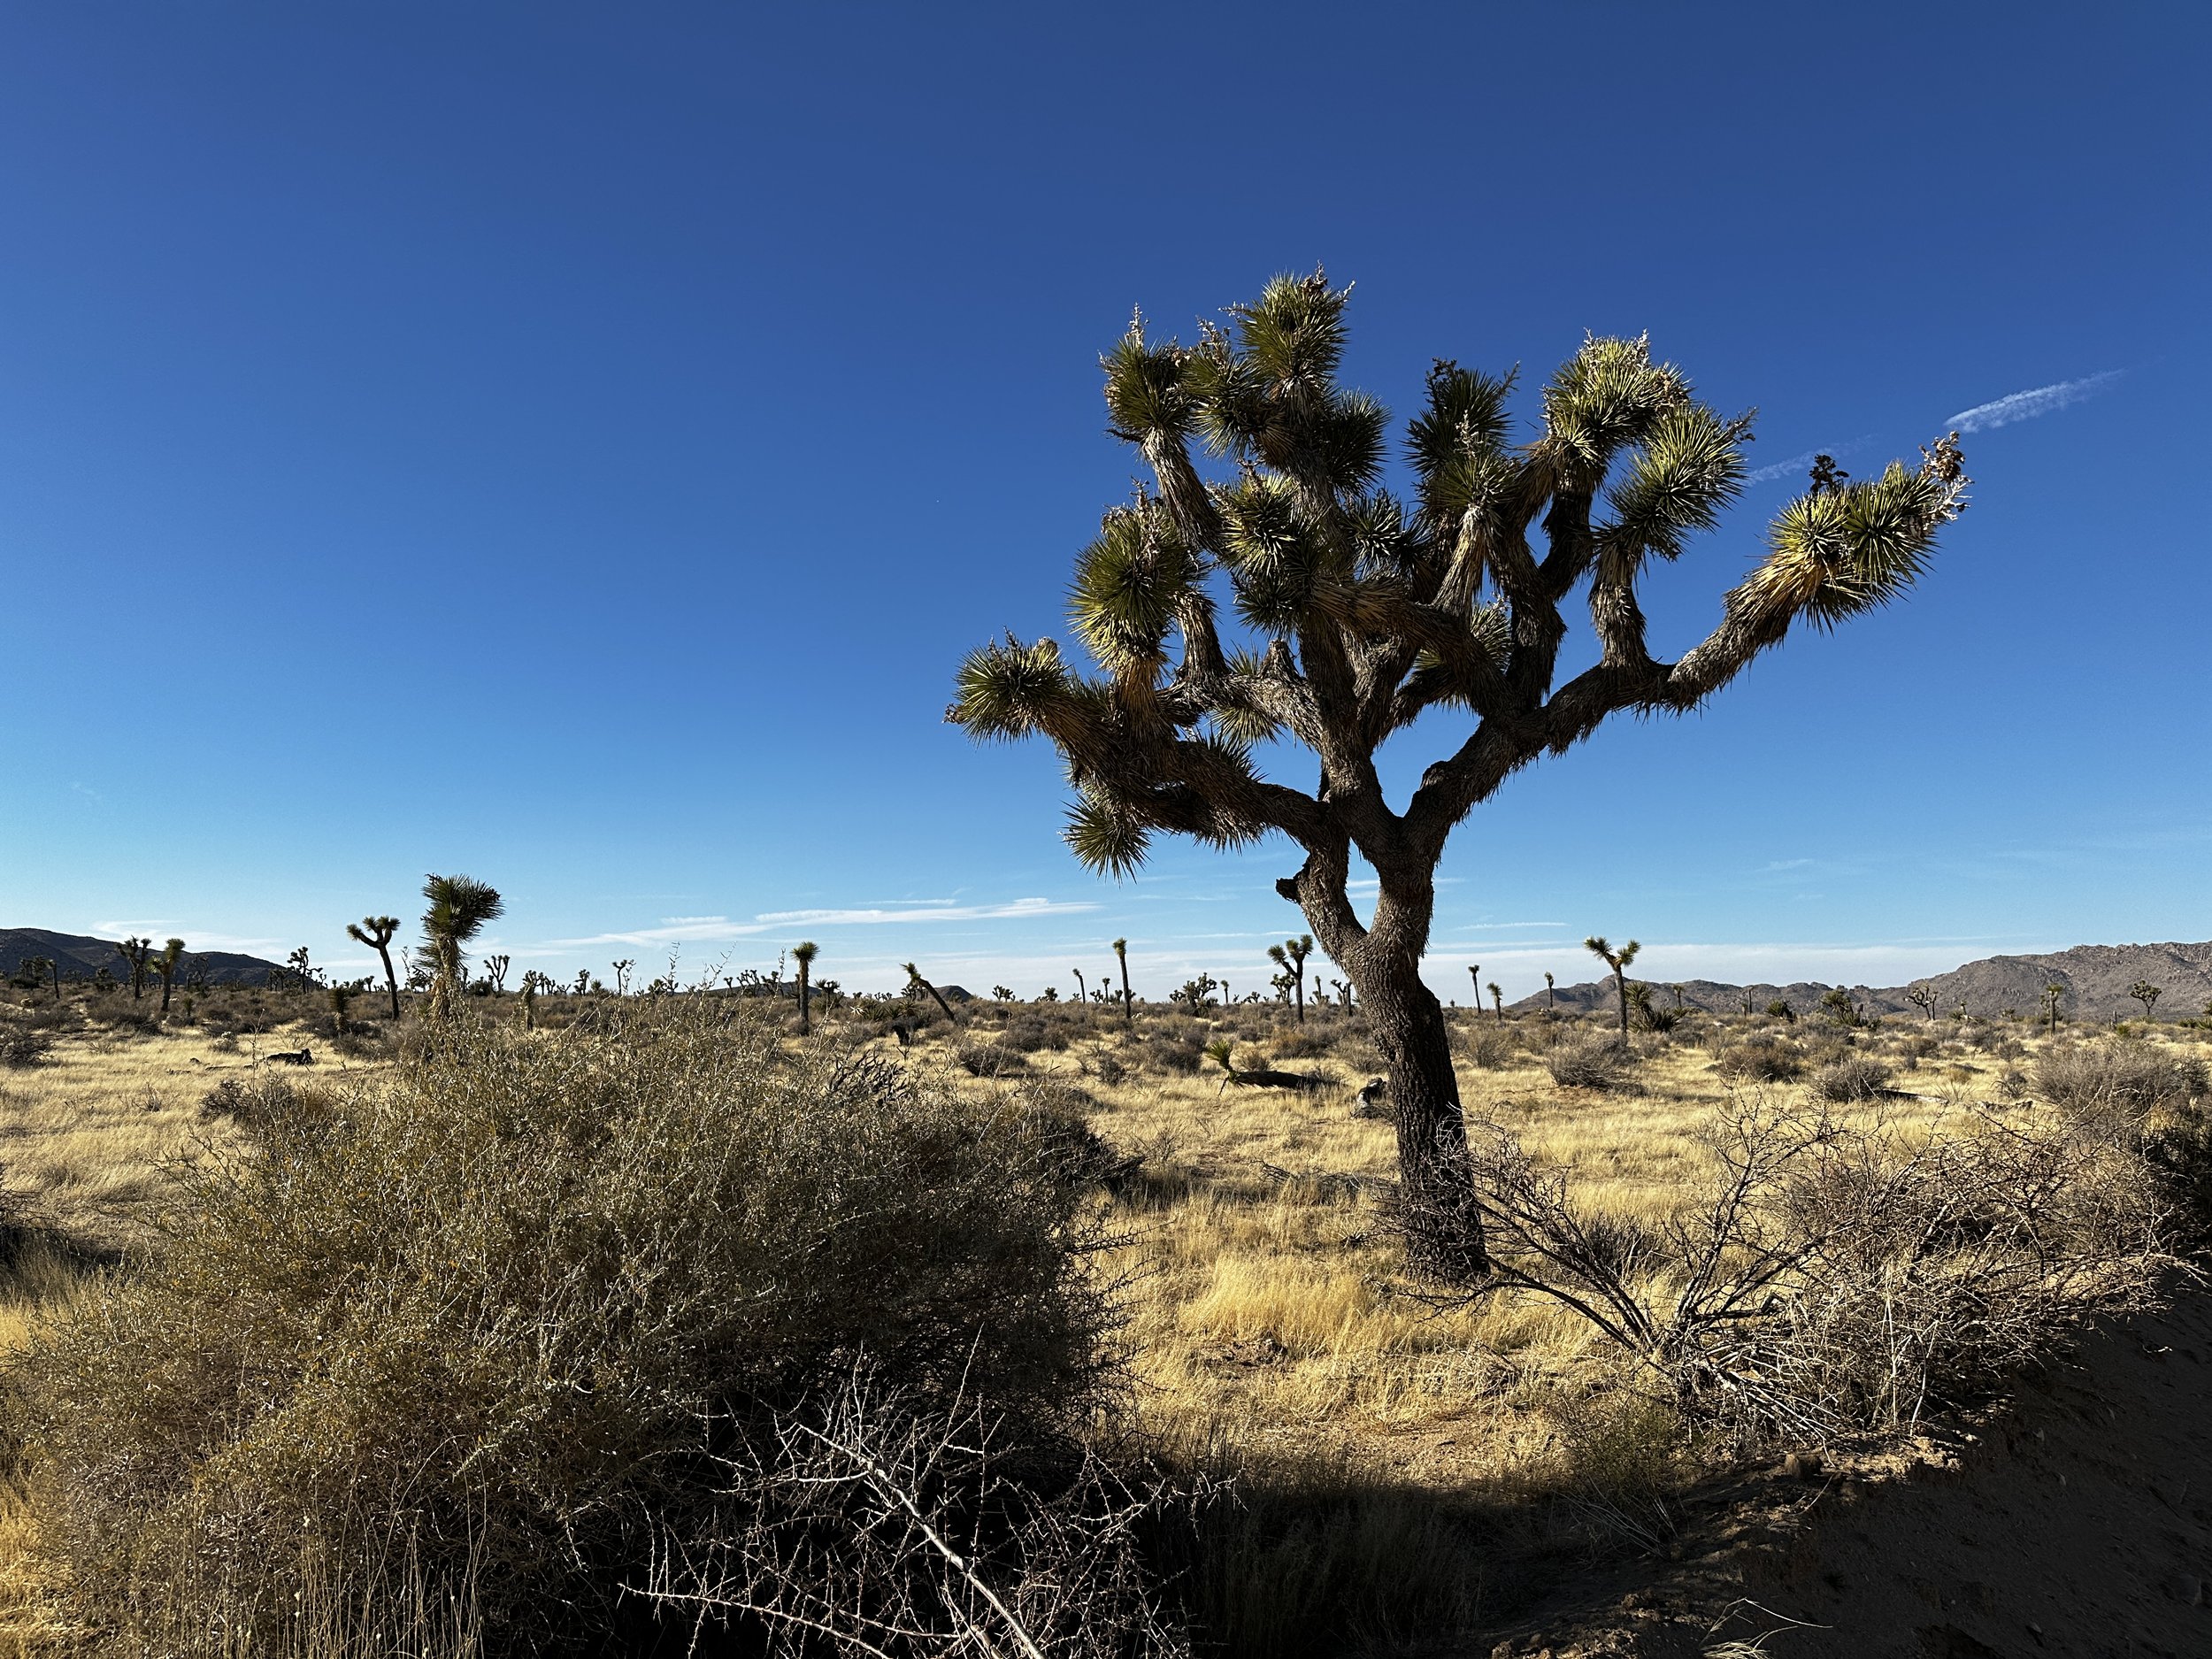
(83, 957)
(2097, 977)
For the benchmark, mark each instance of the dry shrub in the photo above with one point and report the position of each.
(1843, 1280)
(1489, 1046)
(1304, 1042)
(989, 1059)
(514, 1308)
(1764, 1059)
(870, 1524)
(24, 1047)
(1852, 1077)
(2127, 1075)
(1604, 1063)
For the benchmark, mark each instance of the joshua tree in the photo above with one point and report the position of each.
(1922, 996)
(1551, 993)
(1367, 609)
(1497, 1000)
(303, 971)
(531, 980)
(2144, 992)
(1343, 993)
(914, 978)
(341, 994)
(1128, 1002)
(2053, 994)
(460, 906)
(803, 953)
(376, 933)
(496, 970)
(165, 965)
(1082, 987)
(1290, 956)
(1618, 961)
(624, 968)
(34, 971)
(136, 953)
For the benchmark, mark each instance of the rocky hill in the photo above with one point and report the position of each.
(2097, 979)
(81, 956)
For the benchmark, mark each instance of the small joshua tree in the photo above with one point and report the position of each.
(1128, 1002)
(1551, 993)
(341, 994)
(531, 980)
(914, 982)
(460, 908)
(1922, 996)
(165, 965)
(1618, 961)
(496, 970)
(1290, 956)
(1359, 608)
(1082, 987)
(1497, 1000)
(2053, 994)
(1474, 972)
(136, 953)
(2144, 992)
(628, 966)
(803, 953)
(376, 931)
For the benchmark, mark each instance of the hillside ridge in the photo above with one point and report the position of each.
(82, 955)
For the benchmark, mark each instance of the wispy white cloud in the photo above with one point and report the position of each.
(711, 929)
(1783, 469)
(2041, 400)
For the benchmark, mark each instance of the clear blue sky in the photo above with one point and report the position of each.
(574, 445)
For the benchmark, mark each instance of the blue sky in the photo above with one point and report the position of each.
(576, 445)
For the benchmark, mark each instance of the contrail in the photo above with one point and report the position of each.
(2041, 400)
(1781, 469)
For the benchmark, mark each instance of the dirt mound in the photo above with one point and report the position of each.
(2076, 1521)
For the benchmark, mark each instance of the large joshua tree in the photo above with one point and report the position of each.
(1616, 964)
(460, 906)
(377, 932)
(165, 965)
(1357, 609)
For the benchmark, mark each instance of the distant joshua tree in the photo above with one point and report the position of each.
(1923, 996)
(1128, 1002)
(460, 908)
(1618, 961)
(2144, 992)
(2053, 994)
(914, 979)
(165, 965)
(628, 966)
(803, 953)
(1551, 993)
(1497, 1000)
(496, 970)
(531, 980)
(1004, 994)
(136, 953)
(376, 931)
(341, 994)
(1449, 596)
(1474, 972)
(1082, 987)
(1290, 956)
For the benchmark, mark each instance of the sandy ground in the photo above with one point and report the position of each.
(2076, 1519)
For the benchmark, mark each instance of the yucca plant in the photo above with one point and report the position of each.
(803, 953)
(1290, 956)
(1617, 961)
(460, 906)
(165, 965)
(376, 931)
(1356, 608)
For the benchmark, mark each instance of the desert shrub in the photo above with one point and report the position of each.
(25, 1046)
(1841, 1280)
(1178, 1054)
(1921, 1045)
(2134, 1076)
(1030, 1036)
(1110, 1070)
(1593, 1062)
(1487, 1046)
(1851, 1077)
(989, 1059)
(254, 1104)
(1762, 1058)
(1304, 1042)
(512, 1308)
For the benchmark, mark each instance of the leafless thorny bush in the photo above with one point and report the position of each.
(1842, 1278)
(873, 1526)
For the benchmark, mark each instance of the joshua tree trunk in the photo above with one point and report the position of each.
(391, 979)
(1620, 991)
(1128, 1006)
(1443, 1234)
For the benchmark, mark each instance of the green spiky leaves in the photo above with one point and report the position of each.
(1128, 583)
(1837, 551)
(1146, 393)
(1004, 689)
(1105, 836)
(1686, 470)
(1608, 394)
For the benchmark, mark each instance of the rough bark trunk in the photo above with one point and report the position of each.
(806, 1022)
(391, 982)
(1443, 1228)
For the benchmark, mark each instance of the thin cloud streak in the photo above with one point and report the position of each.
(2041, 400)
(712, 929)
